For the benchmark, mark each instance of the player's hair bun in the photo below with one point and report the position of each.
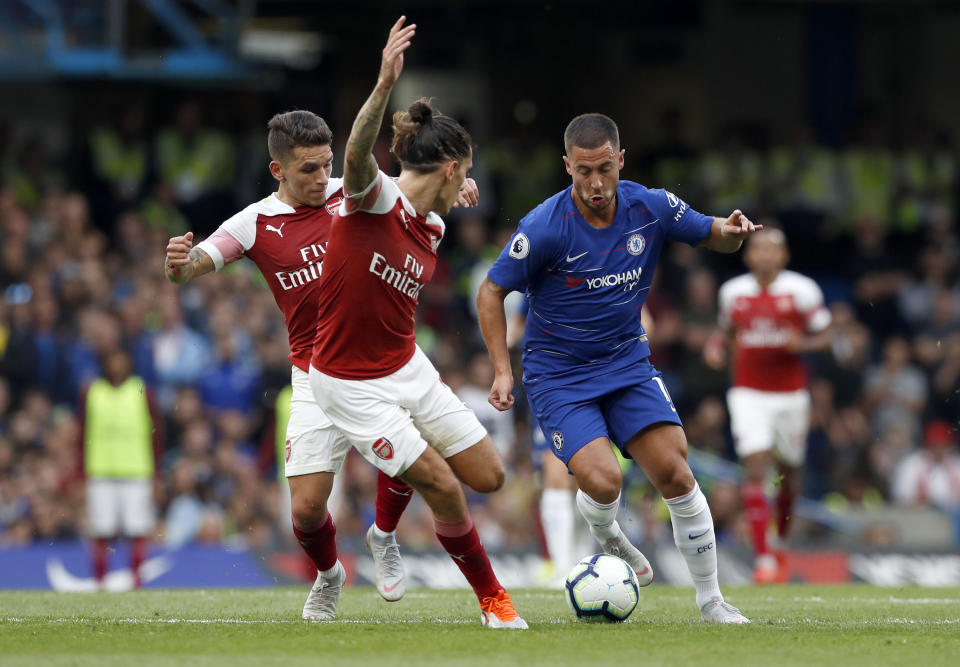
(421, 112)
(424, 138)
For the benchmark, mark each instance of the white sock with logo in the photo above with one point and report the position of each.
(693, 533)
(601, 518)
(557, 517)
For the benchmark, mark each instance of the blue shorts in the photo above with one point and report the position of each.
(538, 443)
(617, 409)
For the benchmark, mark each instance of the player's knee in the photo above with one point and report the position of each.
(491, 479)
(675, 479)
(602, 484)
(308, 513)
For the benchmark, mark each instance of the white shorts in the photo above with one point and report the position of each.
(770, 420)
(120, 507)
(391, 419)
(313, 443)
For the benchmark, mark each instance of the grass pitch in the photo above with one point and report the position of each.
(792, 625)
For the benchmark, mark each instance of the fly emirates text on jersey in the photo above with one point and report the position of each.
(400, 281)
(313, 256)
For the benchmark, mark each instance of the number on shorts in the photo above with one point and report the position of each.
(663, 389)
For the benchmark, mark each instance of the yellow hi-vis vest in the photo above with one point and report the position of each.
(118, 438)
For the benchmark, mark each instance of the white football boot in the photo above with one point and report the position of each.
(321, 604)
(620, 546)
(391, 577)
(718, 611)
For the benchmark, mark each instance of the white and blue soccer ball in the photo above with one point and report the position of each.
(602, 588)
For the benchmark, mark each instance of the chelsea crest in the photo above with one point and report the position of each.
(636, 244)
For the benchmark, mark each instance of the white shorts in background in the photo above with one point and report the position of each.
(120, 507)
(391, 419)
(770, 420)
(313, 443)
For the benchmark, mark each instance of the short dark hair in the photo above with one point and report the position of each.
(296, 128)
(591, 130)
(423, 138)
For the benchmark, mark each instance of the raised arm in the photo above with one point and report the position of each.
(727, 234)
(184, 262)
(493, 327)
(360, 167)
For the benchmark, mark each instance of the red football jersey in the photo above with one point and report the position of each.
(762, 320)
(288, 245)
(380, 256)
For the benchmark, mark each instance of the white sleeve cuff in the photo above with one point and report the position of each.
(214, 253)
(363, 193)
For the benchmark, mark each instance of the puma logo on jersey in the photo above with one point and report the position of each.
(278, 230)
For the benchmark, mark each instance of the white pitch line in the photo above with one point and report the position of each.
(886, 600)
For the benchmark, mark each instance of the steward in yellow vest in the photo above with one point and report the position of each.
(118, 429)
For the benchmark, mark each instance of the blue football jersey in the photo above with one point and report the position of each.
(585, 286)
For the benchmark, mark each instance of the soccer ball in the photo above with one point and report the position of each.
(602, 588)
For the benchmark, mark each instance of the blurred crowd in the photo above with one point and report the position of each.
(81, 257)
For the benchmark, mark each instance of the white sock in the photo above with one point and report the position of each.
(601, 518)
(693, 533)
(381, 534)
(557, 517)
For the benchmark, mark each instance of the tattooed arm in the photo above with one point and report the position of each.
(360, 167)
(184, 262)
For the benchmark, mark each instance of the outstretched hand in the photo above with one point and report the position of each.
(399, 41)
(739, 225)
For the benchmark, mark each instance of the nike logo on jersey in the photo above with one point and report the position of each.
(698, 535)
(576, 257)
(278, 230)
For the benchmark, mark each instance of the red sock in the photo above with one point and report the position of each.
(784, 509)
(461, 541)
(100, 559)
(393, 496)
(138, 555)
(757, 513)
(320, 545)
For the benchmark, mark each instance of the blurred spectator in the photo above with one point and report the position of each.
(926, 179)
(931, 475)
(197, 163)
(230, 380)
(179, 353)
(119, 160)
(896, 390)
(867, 171)
(184, 514)
(474, 392)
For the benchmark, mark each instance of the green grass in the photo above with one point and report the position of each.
(792, 625)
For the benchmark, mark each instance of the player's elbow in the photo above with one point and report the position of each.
(490, 295)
